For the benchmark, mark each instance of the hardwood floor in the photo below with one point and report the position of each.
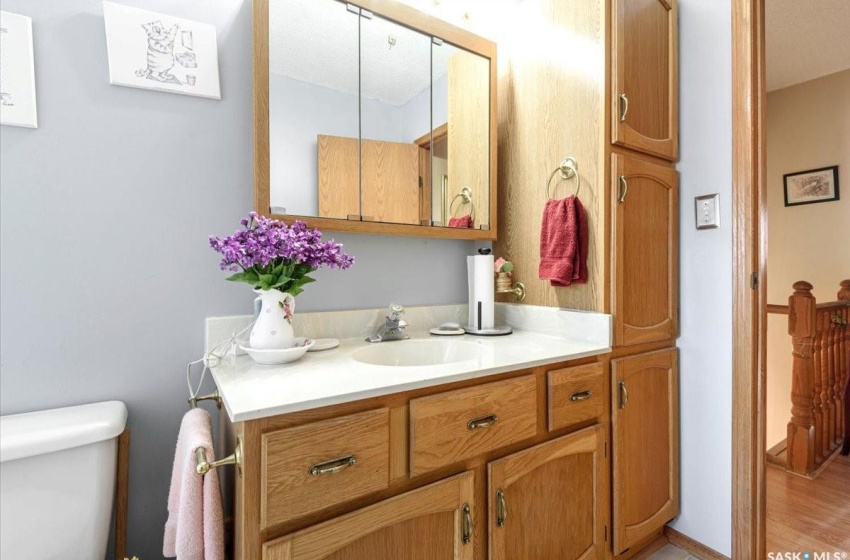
(809, 515)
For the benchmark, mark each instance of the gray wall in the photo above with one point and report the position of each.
(705, 279)
(106, 275)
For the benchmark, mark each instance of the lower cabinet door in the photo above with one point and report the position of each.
(645, 427)
(546, 502)
(432, 523)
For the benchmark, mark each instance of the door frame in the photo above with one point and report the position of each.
(749, 307)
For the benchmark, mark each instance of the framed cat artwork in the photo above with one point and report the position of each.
(161, 52)
(17, 72)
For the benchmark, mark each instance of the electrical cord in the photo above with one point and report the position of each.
(213, 359)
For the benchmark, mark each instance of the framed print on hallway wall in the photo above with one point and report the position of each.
(17, 72)
(809, 187)
(156, 51)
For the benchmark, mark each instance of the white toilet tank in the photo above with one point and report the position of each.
(57, 480)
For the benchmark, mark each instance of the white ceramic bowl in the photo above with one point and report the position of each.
(282, 356)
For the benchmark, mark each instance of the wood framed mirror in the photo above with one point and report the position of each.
(372, 117)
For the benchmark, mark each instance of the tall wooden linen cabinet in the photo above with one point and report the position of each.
(644, 276)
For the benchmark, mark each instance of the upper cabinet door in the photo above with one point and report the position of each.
(645, 425)
(645, 253)
(548, 501)
(644, 81)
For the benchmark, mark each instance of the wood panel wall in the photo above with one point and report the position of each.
(552, 105)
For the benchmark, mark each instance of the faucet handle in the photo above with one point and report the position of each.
(396, 311)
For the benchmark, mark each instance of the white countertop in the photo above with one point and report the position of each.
(250, 391)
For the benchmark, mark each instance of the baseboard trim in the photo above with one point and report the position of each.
(696, 548)
(774, 454)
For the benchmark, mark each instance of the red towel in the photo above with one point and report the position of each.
(464, 222)
(563, 242)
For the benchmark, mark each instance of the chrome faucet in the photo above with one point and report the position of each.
(393, 327)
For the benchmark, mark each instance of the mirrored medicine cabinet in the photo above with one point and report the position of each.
(373, 118)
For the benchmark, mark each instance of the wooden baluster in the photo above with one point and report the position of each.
(820, 404)
(828, 366)
(838, 373)
(843, 363)
(800, 455)
(844, 390)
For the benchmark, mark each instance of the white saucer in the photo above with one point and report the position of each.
(324, 344)
(282, 356)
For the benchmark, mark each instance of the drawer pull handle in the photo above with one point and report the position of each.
(501, 508)
(581, 396)
(466, 524)
(332, 467)
(483, 422)
(624, 394)
(624, 107)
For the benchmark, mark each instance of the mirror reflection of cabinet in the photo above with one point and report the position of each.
(373, 122)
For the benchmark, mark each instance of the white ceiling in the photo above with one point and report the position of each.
(315, 41)
(805, 39)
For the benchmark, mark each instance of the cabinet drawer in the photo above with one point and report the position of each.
(456, 425)
(575, 395)
(308, 468)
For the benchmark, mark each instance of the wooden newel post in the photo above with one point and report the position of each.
(844, 291)
(800, 456)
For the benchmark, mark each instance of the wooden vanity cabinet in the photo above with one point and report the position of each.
(644, 80)
(547, 501)
(645, 271)
(412, 475)
(432, 523)
(645, 456)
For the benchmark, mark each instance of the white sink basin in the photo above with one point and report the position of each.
(418, 352)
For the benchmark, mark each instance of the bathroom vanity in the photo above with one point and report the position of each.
(493, 447)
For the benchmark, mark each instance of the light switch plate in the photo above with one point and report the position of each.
(707, 211)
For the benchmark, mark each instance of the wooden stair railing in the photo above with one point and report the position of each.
(820, 340)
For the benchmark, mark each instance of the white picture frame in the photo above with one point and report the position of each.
(17, 72)
(156, 51)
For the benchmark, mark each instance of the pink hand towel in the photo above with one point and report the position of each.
(464, 222)
(563, 242)
(195, 526)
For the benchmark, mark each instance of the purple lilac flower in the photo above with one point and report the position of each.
(264, 240)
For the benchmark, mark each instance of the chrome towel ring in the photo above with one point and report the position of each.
(465, 197)
(568, 169)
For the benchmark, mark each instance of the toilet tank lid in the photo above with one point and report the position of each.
(47, 431)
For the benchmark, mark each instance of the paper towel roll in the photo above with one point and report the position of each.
(481, 294)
